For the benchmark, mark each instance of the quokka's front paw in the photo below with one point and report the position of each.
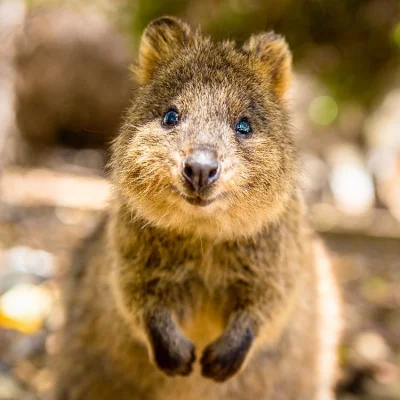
(176, 357)
(172, 352)
(224, 357)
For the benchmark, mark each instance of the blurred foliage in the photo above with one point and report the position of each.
(352, 45)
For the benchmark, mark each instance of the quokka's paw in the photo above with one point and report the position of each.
(224, 357)
(174, 355)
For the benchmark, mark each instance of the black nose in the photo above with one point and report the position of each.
(200, 171)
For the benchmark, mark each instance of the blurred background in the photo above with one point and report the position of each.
(64, 84)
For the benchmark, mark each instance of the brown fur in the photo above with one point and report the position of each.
(239, 283)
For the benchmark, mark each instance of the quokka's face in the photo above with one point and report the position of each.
(205, 147)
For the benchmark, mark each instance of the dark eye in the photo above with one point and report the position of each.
(171, 118)
(243, 127)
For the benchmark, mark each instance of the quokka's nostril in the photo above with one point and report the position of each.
(188, 170)
(213, 173)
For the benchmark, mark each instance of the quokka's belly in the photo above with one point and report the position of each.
(206, 325)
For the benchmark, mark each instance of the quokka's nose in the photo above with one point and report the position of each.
(200, 170)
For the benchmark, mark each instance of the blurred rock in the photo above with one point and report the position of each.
(383, 139)
(44, 187)
(17, 348)
(72, 79)
(9, 279)
(369, 347)
(350, 182)
(12, 14)
(24, 307)
(30, 261)
(9, 390)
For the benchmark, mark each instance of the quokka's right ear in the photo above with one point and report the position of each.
(161, 41)
(274, 59)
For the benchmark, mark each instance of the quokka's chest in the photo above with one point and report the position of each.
(206, 322)
(212, 301)
(215, 267)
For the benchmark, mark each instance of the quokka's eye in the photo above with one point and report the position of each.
(243, 127)
(171, 118)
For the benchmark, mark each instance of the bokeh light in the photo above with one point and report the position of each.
(396, 34)
(323, 110)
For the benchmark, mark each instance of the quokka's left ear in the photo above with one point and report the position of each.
(274, 59)
(161, 41)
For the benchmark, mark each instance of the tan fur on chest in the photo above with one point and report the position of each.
(206, 325)
(208, 319)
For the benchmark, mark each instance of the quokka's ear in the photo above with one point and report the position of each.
(161, 41)
(275, 59)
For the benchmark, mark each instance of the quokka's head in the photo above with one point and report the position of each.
(205, 147)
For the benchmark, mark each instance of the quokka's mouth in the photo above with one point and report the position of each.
(196, 200)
